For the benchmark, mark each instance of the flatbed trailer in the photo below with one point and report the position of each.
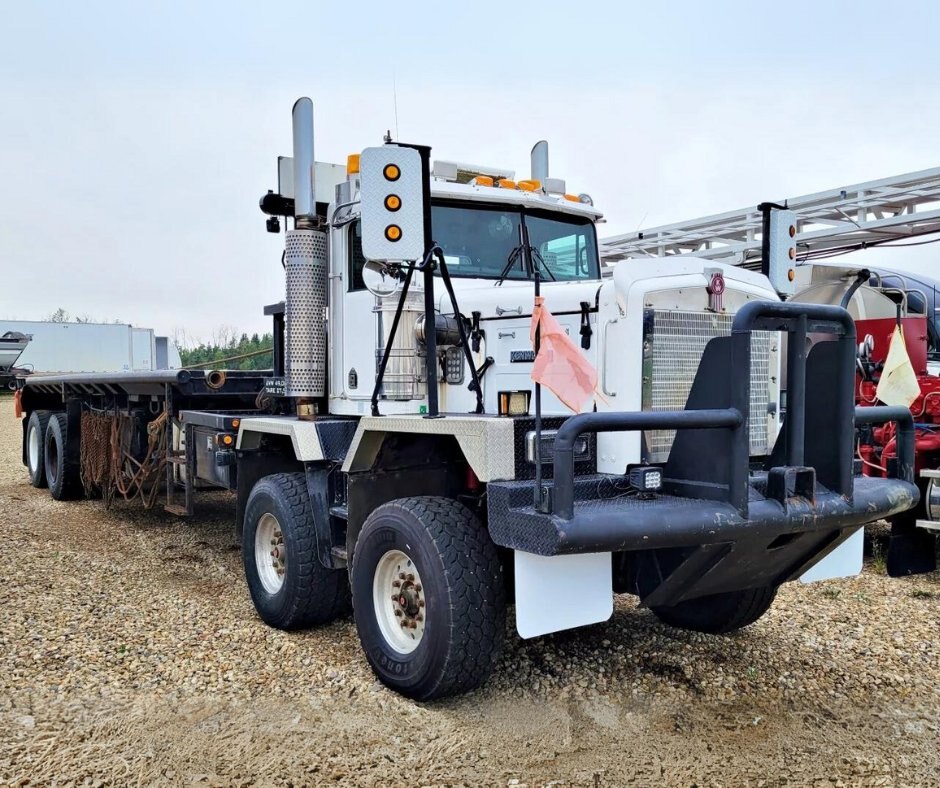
(199, 412)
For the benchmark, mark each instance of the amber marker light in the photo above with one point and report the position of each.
(393, 232)
(393, 202)
(391, 172)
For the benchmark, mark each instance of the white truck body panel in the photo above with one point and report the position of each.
(87, 347)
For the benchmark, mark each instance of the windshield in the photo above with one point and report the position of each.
(485, 242)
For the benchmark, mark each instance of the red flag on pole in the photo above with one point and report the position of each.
(559, 365)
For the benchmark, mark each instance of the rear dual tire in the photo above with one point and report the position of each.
(61, 462)
(35, 447)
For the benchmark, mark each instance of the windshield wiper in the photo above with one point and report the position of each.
(534, 255)
(513, 258)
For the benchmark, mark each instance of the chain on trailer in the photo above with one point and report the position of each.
(109, 464)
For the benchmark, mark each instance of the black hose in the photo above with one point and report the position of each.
(863, 276)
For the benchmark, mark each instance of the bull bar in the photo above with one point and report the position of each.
(802, 503)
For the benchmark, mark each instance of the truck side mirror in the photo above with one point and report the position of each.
(380, 279)
(392, 205)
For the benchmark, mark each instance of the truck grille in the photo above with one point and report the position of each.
(673, 345)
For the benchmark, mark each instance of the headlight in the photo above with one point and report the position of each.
(582, 447)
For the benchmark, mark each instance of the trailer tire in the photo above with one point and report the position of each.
(450, 588)
(300, 592)
(35, 447)
(718, 614)
(63, 471)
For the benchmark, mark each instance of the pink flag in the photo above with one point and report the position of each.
(559, 365)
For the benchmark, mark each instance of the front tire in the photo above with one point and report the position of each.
(718, 614)
(63, 472)
(35, 447)
(290, 587)
(428, 597)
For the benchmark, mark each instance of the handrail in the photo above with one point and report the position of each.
(572, 428)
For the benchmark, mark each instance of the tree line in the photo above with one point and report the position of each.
(206, 352)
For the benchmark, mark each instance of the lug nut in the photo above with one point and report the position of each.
(418, 587)
(419, 617)
(398, 613)
(404, 624)
(412, 625)
(420, 603)
(396, 583)
(410, 576)
(401, 576)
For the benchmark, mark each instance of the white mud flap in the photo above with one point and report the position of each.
(562, 591)
(844, 561)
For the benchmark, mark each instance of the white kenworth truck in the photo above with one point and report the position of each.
(400, 460)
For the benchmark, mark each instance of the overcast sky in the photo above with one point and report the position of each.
(137, 138)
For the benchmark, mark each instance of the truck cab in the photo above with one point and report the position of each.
(679, 482)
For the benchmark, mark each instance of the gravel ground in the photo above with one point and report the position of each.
(130, 653)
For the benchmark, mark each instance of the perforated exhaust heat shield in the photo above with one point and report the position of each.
(305, 263)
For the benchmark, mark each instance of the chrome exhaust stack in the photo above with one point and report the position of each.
(305, 268)
(539, 161)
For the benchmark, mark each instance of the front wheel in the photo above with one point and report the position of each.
(718, 614)
(289, 586)
(428, 597)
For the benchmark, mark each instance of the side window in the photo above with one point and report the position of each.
(356, 259)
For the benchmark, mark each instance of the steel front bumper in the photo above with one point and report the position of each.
(605, 519)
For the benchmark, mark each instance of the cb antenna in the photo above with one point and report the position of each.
(395, 102)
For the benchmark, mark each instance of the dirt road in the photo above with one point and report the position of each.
(130, 653)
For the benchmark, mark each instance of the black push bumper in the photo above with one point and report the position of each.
(775, 522)
(605, 518)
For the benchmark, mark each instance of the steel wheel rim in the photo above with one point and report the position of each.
(34, 448)
(270, 553)
(398, 599)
